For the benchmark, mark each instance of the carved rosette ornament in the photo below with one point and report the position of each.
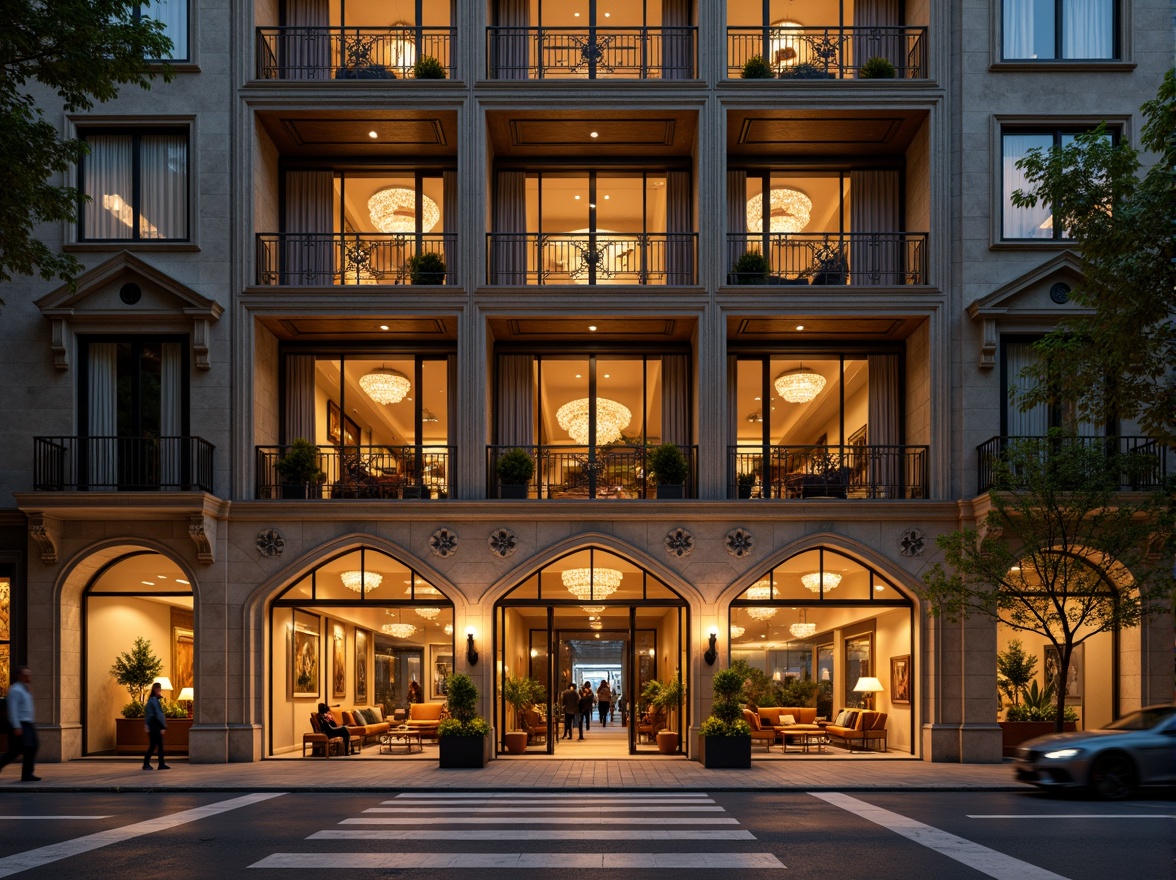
(270, 543)
(740, 542)
(503, 542)
(912, 543)
(679, 542)
(443, 543)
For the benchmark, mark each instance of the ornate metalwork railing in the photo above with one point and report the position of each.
(362, 472)
(316, 260)
(871, 259)
(828, 52)
(619, 471)
(122, 464)
(591, 53)
(859, 472)
(324, 53)
(1132, 463)
(591, 258)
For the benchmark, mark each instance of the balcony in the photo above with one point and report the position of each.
(1131, 463)
(828, 52)
(122, 464)
(325, 53)
(591, 258)
(383, 472)
(867, 259)
(850, 472)
(320, 260)
(519, 53)
(580, 472)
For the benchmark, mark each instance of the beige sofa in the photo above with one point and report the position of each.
(425, 717)
(364, 728)
(803, 721)
(860, 728)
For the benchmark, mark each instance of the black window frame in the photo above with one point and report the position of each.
(1059, 8)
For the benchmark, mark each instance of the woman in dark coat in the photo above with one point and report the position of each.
(156, 723)
(328, 725)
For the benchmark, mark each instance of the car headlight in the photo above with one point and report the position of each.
(1061, 754)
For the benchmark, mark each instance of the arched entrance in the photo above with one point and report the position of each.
(827, 631)
(141, 595)
(362, 630)
(593, 616)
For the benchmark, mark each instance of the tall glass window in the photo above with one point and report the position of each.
(1044, 30)
(1036, 222)
(137, 184)
(173, 14)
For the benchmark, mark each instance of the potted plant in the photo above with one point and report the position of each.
(805, 70)
(667, 699)
(463, 739)
(751, 268)
(1032, 717)
(877, 68)
(137, 670)
(426, 268)
(428, 67)
(299, 470)
(670, 470)
(756, 68)
(515, 469)
(725, 738)
(745, 482)
(522, 694)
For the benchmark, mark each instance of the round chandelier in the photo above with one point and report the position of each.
(761, 613)
(423, 590)
(611, 419)
(788, 210)
(402, 47)
(428, 613)
(449, 629)
(399, 630)
(393, 209)
(800, 385)
(385, 386)
(588, 583)
(760, 590)
(784, 47)
(816, 580)
(360, 581)
(803, 629)
(592, 609)
(737, 632)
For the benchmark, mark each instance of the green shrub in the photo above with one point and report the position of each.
(428, 67)
(137, 670)
(426, 268)
(756, 68)
(515, 468)
(804, 70)
(752, 267)
(462, 702)
(300, 463)
(453, 727)
(668, 465)
(877, 68)
(714, 727)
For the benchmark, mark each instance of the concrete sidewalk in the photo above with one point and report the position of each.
(359, 774)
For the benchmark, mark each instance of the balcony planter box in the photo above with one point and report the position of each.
(512, 491)
(671, 490)
(298, 491)
(725, 752)
(131, 739)
(1013, 733)
(462, 752)
(414, 492)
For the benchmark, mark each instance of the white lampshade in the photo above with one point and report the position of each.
(393, 209)
(867, 684)
(186, 695)
(385, 386)
(800, 385)
(611, 419)
(164, 682)
(591, 583)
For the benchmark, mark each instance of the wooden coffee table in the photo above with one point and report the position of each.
(401, 736)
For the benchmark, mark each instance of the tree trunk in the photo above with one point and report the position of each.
(1067, 650)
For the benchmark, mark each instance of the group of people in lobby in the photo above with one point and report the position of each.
(578, 706)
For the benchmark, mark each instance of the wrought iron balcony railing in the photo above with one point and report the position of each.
(122, 464)
(351, 53)
(591, 258)
(852, 472)
(828, 52)
(515, 53)
(362, 472)
(590, 472)
(348, 258)
(869, 259)
(1132, 463)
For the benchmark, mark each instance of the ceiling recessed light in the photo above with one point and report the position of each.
(592, 204)
(147, 583)
(372, 134)
(577, 15)
(606, 198)
(181, 581)
(577, 375)
(383, 326)
(593, 134)
(608, 15)
(757, 398)
(577, 198)
(607, 376)
(591, 327)
(800, 326)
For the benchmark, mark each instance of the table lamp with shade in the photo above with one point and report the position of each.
(869, 686)
(186, 697)
(164, 683)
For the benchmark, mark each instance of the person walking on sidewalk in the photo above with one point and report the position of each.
(585, 706)
(22, 738)
(571, 706)
(604, 701)
(155, 723)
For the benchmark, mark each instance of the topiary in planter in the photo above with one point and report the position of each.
(804, 70)
(751, 268)
(136, 671)
(756, 68)
(426, 268)
(669, 466)
(877, 68)
(428, 67)
(725, 738)
(299, 468)
(515, 469)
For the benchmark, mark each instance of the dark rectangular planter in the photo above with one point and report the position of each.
(414, 492)
(725, 752)
(671, 490)
(295, 491)
(1013, 733)
(131, 737)
(463, 752)
(512, 490)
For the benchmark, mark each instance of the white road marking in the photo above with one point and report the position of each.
(553, 861)
(544, 820)
(532, 834)
(504, 811)
(482, 801)
(10, 818)
(1020, 816)
(967, 852)
(35, 858)
(538, 795)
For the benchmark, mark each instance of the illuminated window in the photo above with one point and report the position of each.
(137, 186)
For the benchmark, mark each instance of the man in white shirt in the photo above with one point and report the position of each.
(22, 738)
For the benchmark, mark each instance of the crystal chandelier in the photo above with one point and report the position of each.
(611, 419)
(402, 47)
(596, 625)
(393, 209)
(360, 581)
(803, 629)
(385, 386)
(815, 580)
(428, 613)
(800, 385)
(423, 590)
(761, 613)
(399, 630)
(449, 629)
(788, 210)
(592, 609)
(783, 47)
(589, 583)
(737, 632)
(760, 590)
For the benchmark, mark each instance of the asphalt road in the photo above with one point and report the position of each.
(500, 835)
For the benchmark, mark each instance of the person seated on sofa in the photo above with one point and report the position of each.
(332, 729)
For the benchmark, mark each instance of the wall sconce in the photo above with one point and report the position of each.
(471, 652)
(712, 653)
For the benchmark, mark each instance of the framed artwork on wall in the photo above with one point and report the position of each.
(440, 668)
(1073, 676)
(183, 643)
(304, 655)
(361, 667)
(338, 662)
(900, 679)
(341, 430)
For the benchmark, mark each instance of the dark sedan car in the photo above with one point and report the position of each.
(1138, 749)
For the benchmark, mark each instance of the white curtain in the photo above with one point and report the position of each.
(511, 50)
(1017, 222)
(736, 216)
(1033, 422)
(1018, 28)
(1088, 28)
(300, 372)
(306, 45)
(508, 255)
(876, 254)
(677, 59)
(889, 43)
(883, 414)
(171, 422)
(308, 250)
(449, 214)
(102, 410)
(108, 181)
(516, 400)
(675, 402)
(679, 225)
(163, 182)
(174, 15)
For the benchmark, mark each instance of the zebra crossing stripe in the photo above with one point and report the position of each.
(510, 811)
(476, 801)
(533, 834)
(552, 861)
(543, 795)
(543, 820)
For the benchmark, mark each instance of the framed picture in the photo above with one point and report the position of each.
(304, 655)
(1073, 676)
(900, 679)
(182, 658)
(338, 662)
(440, 668)
(361, 667)
(341, 430)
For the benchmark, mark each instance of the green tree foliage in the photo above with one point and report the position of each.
(1060, 553)
(137, 670)
(81, 50)
(1119, 361)
(1015, 668)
